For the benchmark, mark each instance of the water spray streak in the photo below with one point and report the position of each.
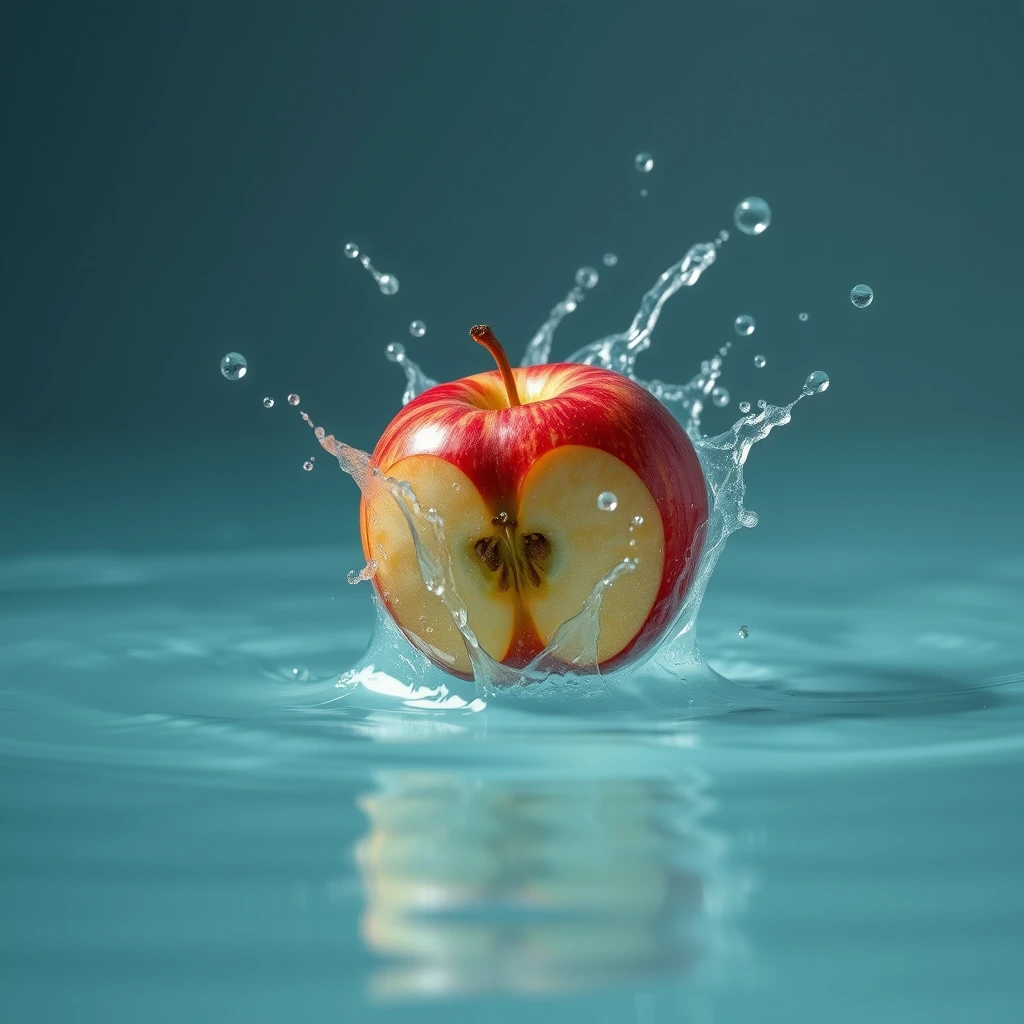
(570, 660)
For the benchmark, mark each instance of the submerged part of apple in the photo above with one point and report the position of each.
(513, 461)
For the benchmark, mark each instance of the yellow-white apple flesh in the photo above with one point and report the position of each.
(517, 488)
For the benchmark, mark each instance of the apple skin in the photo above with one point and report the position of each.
(470, 424)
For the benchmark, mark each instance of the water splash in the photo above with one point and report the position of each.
(416, 381)
(387, 283)
(569, 664)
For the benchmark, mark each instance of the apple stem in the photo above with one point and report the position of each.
(485, 336)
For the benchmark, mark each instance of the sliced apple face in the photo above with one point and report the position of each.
(522, 572)
(558, 501)
(491, 613)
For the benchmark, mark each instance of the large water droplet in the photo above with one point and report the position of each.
(388, 284)
(744, 325)
(268, 403)
(307, 465)
(351, 250)
(861, 295)
(607, 502)
(752, 216)
(293, 399)
(586, 277)
(759, 362)
(816, 383)
(417, 328)
(744, 407)
(234, 366)
(609, 259)
(743, 632)
(644, 163)
(720, 396)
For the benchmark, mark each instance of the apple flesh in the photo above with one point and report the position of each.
(514, 461)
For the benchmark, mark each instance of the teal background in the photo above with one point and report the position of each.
(178, 180)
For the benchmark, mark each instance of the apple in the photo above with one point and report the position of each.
(514, 462)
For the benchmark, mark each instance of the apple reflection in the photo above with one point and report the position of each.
(483, 885)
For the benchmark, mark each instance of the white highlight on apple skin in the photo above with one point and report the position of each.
(722, 456)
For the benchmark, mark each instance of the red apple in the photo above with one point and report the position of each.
(514, 461)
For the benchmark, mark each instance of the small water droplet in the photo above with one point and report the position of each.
(234, 366)
(638, 520)
(723, 235)
(861, 295)
(607, 502)
(644, 163)
(293, 399)
(759, 362)
(720, 396)
(803, 317)
(388, 284)
(752, 216)
(268, 403)
(744, 325)
(417, 328)
(724, 350)
(762, 404)
(748, 519)
(455, 485)
(307, 465)
(643, 193)
(816, 383)
(351, 250)
(609, 259)
(586, 277)
(394, 352)
(743, 632)
(300, 673)
(744, 407)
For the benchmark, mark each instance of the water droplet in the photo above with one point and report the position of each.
(638, 520)
(307, 465)
(743, 632)
(293, 399)
(759, 362)
(803, 317)
(388, 284)
(234, 366)
(609, 259)
(748, 519)
(607, 502)
(351, 250)
(643, 193)
(744, 407)
(752, 216)
(302, 674)
(723, 235)
(744, 325)
(268, 403)
(644, 163)
(455, 485)
(724, 350)
(720, 396)
(860, 296)
(816, 383)
(417, 328)
(586, 277)
(762, 404)
(394, 352)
